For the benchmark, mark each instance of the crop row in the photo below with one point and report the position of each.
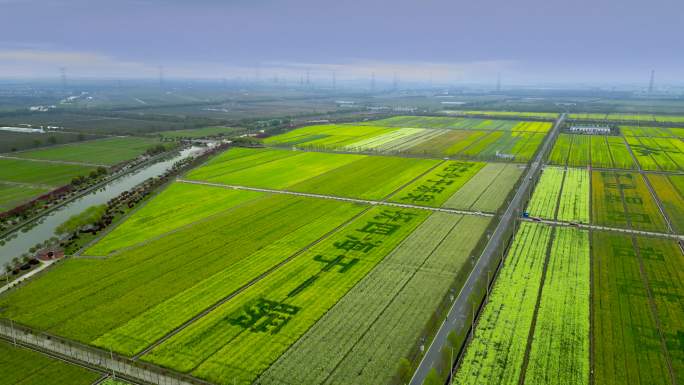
(665, 154)
(545, 198)
(662, 132)
(574, 199)
(488, 189)
(95, 299)
(25, 367)
(496, 353)
(330, 136)
(244, 336)
(628, 117)
(559, 352)
(670, 192)
(599, 151)
(628, 348)
(383, 316)
(622, 199)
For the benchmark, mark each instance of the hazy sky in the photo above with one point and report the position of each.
(524, 40)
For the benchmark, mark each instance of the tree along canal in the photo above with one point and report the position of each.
(44, 228)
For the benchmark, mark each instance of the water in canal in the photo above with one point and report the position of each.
(44, 229)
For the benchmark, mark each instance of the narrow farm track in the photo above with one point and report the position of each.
(55, 161)
(339, 198)
(606, 228)
(493, 249)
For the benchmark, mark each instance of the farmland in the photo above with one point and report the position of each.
(14, 194)
(659, 132)
(427, 136)
(597, 151)
(508, 114)
(622, 199)
(503, 328)
(21, 366)
(616, 117)
(562, 191)
(103, 151)
(664, 154)
(201, 132)
(487, 190)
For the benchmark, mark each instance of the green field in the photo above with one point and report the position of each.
(487, 190)
(375, 331)
(435, 187)
(665, 154)
(332, 136)
(508, 114)
(644, 118)
(670, 192)
(19, 366)
(461, 123)
(662, 132)
(628, 346)
(559, 351)
(495, 354)
(561, 194)
(201, 132)
(622, 199)
(12, 195)
(107, 152)
(544, 201)
(357, 176)
(244, 336)
(129, 300)
(598, 151)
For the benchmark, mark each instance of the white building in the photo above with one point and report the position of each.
(590, 130)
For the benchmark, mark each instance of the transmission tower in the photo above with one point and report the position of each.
(308, 78)
(498, 82)
(373, 82)
(334, 80)
(395, 82)
(63, 78)
(650, 83)
(161, 76)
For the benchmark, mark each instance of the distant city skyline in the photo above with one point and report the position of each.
(527, 42)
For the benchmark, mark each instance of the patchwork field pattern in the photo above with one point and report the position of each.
(562, 191)
(247, 334)
(598, 151)
(664, 154)
(379, 320)
(669, 189)
(643, 118)
(661, 132)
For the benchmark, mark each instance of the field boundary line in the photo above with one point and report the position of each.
(653, 234)
(344, 199)
(55, 161)
(393, 299)
(654, 310)
(248, 284)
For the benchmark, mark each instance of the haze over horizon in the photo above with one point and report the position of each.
(528, 41)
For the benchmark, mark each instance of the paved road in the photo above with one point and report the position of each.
(43, 265)
(338, 198)
(456, 318)
(95, 359)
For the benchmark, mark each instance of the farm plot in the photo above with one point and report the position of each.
(130, 300)
(671, 197)
(559, 351)
(496, 353)
(620, 153)
(380, 320)
(462, 123)
(357, 176)
(435, 187)
(521, 146)
(600, 152)
(39, 174)
(661, 132)
(487, 190)
(561, 150)
(622, 199)
(450, 142)
(25, 367)
(332, 136)
(580, 153)
(12, 195)
(394, 142)
(663, 262)
(627, 347)
(372, 177)
(657, 153)
(201, 132)
(545, 198)
(510, 114)
(102, 151)
(574, 199)
(179, 205)
(243, 337)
